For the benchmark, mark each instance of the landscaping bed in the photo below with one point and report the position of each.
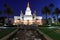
(50, 33)
(58, 31)
(43, 26)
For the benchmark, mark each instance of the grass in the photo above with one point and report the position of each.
(4, 32)
(50, 33)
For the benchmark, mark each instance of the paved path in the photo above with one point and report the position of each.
(27, 33)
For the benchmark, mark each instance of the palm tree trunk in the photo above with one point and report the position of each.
(57, 19)
(51, 18)
(8, 19)
(46, 18)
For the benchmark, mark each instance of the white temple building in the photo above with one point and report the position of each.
(28, 18)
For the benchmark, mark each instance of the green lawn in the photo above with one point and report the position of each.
(4, 32)
(50, 33)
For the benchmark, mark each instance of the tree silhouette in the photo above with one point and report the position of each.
(51, 6)
(57, 12)
(46, 11)
(0, 12)
(8, 11)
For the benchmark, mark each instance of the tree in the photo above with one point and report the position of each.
(57, 11)
(46, 11)
(49, 20)
(0, 12)
(51, 6)
(59, 20)
(8, 11)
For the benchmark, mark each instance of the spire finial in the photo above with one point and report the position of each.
(28, 4)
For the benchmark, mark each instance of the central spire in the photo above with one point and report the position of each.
(28, 11)
(28, 4)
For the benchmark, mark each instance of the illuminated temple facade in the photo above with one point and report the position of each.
(28, 18)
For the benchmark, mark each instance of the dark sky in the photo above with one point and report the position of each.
(17, 5)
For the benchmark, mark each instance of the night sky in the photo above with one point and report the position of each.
(17, 5)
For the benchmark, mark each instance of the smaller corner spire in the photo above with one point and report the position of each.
(21, 13)
(34, 14)
(35, 11)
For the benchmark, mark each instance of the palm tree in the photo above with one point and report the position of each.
(57, 11)
(51, 6)
(46, 11)
(7, 10)
(49, 20)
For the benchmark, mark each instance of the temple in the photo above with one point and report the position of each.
(28, 18)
